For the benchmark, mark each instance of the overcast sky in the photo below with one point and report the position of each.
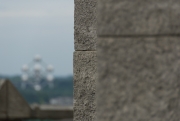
(30, 27)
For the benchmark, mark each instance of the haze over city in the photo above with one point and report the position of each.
(31, 27)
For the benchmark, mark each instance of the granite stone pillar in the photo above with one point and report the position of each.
(138, 60)
(85, 60)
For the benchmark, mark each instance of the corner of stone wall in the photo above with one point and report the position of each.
(85, 60)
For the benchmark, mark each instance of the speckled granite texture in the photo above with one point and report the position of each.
(85, 24)
(84, 85)
(85, 37)
(139, 79)
(138, 17)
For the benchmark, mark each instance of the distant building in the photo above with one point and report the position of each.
(65, 101)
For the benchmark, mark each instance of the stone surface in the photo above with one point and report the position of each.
(52, 112)
(12, 104)
(175, 16)
(3, 99)
(17, 106)
(84, 85)
(85, 25)
(138, 17)
(138, 79)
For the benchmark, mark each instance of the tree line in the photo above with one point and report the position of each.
(63, 87)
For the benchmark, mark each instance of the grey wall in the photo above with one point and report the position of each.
(138, 60)
(85, 60)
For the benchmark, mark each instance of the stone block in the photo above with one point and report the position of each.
(138, 17)
(52, 112)
(84, 85)
(17, 106)
(175, 16)
(85, 25)
(12, 104)
(138, 79)
(3, 99)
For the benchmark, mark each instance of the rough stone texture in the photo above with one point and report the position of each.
(138, 79)
(138, 17)
(85, 59)
(3, 99)
(85, 24)
(84, 85)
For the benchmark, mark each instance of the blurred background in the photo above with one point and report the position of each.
(43, 27)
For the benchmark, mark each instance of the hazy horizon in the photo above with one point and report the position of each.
(31, 27)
